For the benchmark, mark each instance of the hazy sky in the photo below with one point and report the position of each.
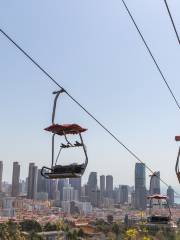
(94, 51)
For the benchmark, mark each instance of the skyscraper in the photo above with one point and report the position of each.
(62, 183)
(53, 189)
(76, 184)
(155, 184)
(68, 193)
(32, 181)
(15, 179)
(92, 186)
(102, 185)
(92, 180)
(170, 194)
(1, 172)
(109, 186)
(43, 184)
(124, 194)
(140, 186)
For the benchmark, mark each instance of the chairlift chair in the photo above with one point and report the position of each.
(158, 218)
(74, 170)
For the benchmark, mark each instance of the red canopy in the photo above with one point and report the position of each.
(157, 196)
(177, 138)
(65, 129)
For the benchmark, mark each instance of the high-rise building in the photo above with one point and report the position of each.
(92, 186)
(84, 193)
(140, 186)
(53, 189)
(32, 181)
(116, 195)
(96, 198)
(68, 193)
(76, 184)
(62, 183)
(170, 194)
(124, 194)
(15, 179)
(109, 186)
(155, 184)
(22, 187)
(40, 182)
(102, 185)
(1, 172)
(92, 180)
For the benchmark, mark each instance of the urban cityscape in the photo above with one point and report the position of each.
(90, 141)
(50, 201)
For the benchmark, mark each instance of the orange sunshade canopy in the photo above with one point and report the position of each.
(65, 129)
(157, 196)
(177, 138)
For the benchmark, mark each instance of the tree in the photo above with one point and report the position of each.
(4, 234)
(81, 233)
(10, 231)
(159, 235)
(30, 226)
(34, 236)
(116, 229)
(50, 227)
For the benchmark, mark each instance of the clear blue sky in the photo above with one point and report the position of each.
(94, 51)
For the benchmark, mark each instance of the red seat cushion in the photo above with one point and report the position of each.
(65, 129)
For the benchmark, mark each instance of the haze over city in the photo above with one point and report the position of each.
(94, 51)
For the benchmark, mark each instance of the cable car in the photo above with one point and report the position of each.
(159, 210)
(177, 138)
(74, 170)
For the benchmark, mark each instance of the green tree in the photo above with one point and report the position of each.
(160, 235)
(116, 229)
(35, 236)
(30, 226)
(10, 231)
(81, 233)
(50, 227)
(4, 234)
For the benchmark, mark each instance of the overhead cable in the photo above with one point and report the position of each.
(152, 56)
(81, 106)
(172, 21)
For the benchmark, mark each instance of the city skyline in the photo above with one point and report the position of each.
(93, 50)
(78, 181)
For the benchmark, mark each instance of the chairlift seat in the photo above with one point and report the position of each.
(65, 129)
(157, 219)
(66, 171)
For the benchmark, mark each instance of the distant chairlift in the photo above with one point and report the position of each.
(159, 210)
(74, 170)
(177, 138)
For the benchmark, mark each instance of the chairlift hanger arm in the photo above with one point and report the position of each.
(177, 166)
(57, 93)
